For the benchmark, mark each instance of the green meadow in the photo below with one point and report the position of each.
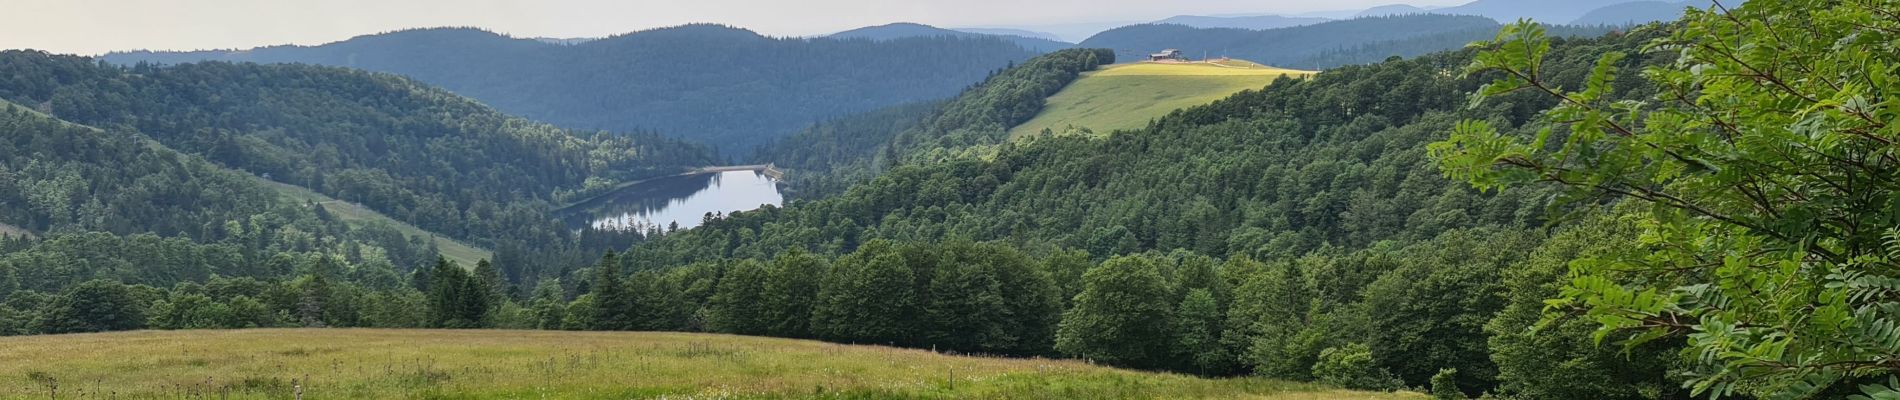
(496, 364)
(1127, 96)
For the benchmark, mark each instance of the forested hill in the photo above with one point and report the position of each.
(113, 205)
(710, 84)
(415, 153)
(1548, 11)
(1318, 46)
(909, 30)
(1276, 232)
(838, 152)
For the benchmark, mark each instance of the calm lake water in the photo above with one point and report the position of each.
(682, 199)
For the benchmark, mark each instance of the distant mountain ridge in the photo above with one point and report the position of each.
(1255, 22)
(1579, 12)
(1640, 12)
(1391, 9)
(713, 84)
(1012, 32)
(903, 30)
(1550, 11)
(1293, 47)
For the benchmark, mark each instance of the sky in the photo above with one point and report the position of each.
(91, 27)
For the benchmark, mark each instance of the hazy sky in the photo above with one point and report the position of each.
(98, 26)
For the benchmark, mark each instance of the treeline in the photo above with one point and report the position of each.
(715, 84)
(1318, 46)
(417, 154)
(323, 293)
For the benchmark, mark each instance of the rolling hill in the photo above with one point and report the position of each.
(476, 364)
(904, 30)
(707, 83)
(1255, 22)
(1639, 12)
(1391, 10)
(1319, 46)
(1128, 96)
(1546, 11)
(1293, 47)
(419, 154)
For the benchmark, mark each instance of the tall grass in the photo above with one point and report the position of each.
(477, 364)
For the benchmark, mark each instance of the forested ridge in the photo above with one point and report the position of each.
(830, 156)
(113, 204)
(1318, 46)
(418, 154)
(114, 208)
(705, 83)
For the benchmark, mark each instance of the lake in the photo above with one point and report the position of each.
(682, 199)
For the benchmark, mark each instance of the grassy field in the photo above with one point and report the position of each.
(455, 251)
(1127, 96)
(430, 364)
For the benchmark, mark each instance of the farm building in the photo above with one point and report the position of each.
(1167, 55)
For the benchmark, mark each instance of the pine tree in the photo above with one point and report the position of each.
(450, 294)
(494, 286)
(423, 275)
(613, 305)
(9, 280)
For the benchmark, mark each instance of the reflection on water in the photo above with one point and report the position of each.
(682, 199)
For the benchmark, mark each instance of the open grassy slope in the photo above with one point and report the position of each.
(355, 213)
(477, 364)
(10, 230)
(1127, 96)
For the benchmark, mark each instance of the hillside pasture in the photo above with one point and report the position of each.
(490, 364)
(1127, 96)
(353, 213)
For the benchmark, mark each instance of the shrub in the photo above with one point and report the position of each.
(1352, 367)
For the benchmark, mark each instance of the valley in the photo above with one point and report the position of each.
(1632, 200)
(467, 364)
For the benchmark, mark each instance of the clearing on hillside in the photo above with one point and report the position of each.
(490, 364)
(10, 230)
(451, 249)
(1127, 96)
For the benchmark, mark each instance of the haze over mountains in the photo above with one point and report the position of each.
(694, 81)
(1028, 40)
(1558, 12)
